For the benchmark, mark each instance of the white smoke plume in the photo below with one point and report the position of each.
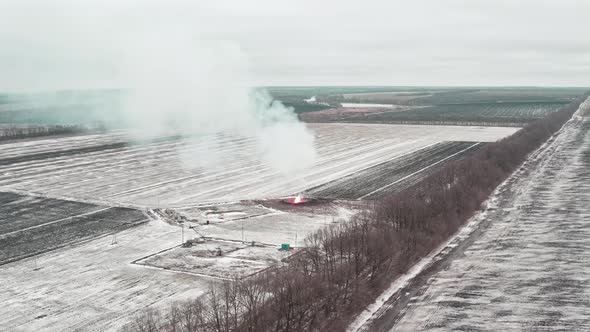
(201, 89)
(178, 78)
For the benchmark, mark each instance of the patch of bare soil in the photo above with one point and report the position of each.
(309, 205)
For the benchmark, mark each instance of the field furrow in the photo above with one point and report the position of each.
(528, 270)
(33, 225)
(394, 175)
(211, 168)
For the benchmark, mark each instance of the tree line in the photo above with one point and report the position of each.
(18, 132)
(345, 266)
(477, 122)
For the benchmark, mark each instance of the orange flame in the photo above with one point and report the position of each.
(297, 199)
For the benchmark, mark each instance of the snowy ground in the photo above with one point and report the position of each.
(528, 269)
(101, 283)
(394, 175)
(96, 169)
(218, 259)
(34, 225)
(92, 286)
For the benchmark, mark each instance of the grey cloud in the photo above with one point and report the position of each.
(306, 42)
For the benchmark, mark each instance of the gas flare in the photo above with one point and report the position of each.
(296, 200)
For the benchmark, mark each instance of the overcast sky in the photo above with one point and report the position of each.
(77, 43)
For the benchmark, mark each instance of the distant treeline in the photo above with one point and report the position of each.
(305, 107)
(499, 113)
(345, 266)
(501, 122)
(460, 96)
(20, 132)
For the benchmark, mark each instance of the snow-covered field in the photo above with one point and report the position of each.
(395, 175)
(99, 168)
(92, 286)
(101, 283)
(529, 270)
(218, 259)
(33, 225)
